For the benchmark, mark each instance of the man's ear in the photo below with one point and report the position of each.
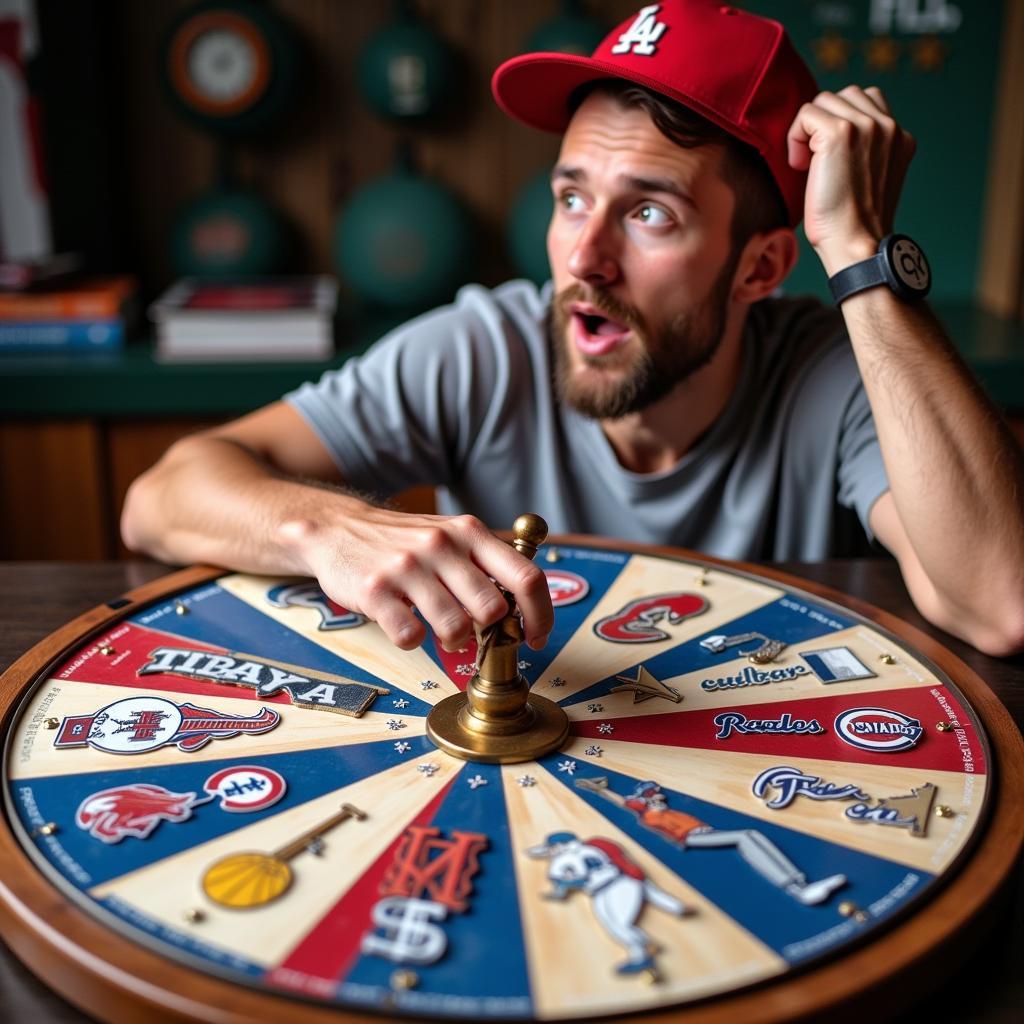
(764, 264)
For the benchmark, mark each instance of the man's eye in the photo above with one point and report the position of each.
(652, 215)
(571, 201)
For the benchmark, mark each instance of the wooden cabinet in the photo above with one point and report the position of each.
(62, 482)
(54, 499)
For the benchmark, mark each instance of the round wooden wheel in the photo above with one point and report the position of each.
(774, 801)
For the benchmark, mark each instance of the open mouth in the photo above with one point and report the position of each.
(597, 335)
(600, 325)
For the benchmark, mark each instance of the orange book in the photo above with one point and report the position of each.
(94, 298)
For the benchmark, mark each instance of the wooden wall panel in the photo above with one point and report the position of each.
(1001, 276)
(165, 161)
(334, 143)
(53, 491)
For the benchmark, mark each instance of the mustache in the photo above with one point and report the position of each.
(607, 304)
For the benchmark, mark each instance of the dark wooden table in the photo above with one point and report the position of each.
(36, 598)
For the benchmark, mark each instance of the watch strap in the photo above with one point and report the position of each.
(856, 278)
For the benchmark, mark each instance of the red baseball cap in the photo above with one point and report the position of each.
(738, 70)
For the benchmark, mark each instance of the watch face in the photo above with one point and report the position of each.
(909, 265)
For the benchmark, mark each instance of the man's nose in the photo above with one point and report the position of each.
(593, 257)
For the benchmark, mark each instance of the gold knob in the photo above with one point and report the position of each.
(529, 532)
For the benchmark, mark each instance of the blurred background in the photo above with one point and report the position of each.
(204, 204)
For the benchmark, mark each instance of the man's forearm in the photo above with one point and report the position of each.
(953, 516)
(955, 471)
(212, 500)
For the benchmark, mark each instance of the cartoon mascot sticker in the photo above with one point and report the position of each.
(617, 886)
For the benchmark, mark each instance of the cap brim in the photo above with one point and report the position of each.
(535, 89)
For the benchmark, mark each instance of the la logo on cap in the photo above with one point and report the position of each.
(641, 36)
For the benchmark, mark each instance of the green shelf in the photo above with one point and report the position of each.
(131, 383)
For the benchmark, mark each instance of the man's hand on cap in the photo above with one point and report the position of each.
(857, 157)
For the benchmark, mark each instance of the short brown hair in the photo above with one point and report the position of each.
(759, 203)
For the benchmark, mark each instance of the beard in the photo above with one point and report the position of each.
(668, 355)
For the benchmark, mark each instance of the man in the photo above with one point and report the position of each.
(688, 406)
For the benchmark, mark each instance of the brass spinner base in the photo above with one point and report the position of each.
(539, 728)
(497, 720)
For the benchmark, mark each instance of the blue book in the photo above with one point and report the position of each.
(62, 336)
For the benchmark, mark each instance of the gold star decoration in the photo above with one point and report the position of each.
(882, 53)
(645, 686)
(929, 53)
(831, 51)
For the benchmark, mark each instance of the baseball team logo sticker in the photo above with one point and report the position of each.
(767, 650)
(137, 725)
(244, 788)
(134, 810)
(321, 691)
(637, 622)
(878, 729)
(430, 877)
(618, 887)
(566, 587)
(729, 722)
(309, 595)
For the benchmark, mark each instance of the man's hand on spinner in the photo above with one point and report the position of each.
(385, 563)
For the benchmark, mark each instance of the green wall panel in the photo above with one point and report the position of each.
(948, 110)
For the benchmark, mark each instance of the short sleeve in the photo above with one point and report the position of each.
(407, 412)
(861, 471)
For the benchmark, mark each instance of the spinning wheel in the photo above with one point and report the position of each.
(222, 801)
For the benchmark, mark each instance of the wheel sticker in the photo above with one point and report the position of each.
(246, 788)
(320, 691)
(836, 665)
(137, 725)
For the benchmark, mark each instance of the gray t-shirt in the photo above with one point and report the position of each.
(462, 398)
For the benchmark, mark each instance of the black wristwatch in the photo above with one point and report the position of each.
(900, 263)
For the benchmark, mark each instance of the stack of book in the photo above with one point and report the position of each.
(271, 319)
(86, 315)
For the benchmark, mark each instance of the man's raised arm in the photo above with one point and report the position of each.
(262, 495)
(954, 516)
